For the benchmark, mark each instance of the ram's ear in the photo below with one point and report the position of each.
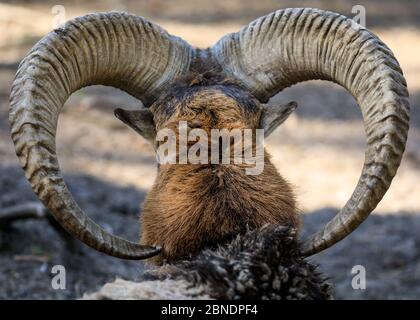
(140, 120)
(274, 115)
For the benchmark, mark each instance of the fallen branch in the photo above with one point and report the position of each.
(35, 210)
(30, 210)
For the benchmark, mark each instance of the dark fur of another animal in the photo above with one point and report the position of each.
(264, 263)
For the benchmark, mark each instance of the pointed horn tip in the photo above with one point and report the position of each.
(142, 252)
(307, 250)
(152, 251)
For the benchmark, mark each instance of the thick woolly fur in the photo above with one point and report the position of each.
(192, 206)
(264, 263)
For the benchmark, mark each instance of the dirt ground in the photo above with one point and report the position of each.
(109, 169)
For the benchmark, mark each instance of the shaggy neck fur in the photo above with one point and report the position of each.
(192, 206)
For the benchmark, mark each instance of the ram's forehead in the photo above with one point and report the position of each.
(218, 99)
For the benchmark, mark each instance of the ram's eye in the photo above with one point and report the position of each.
(194, 124)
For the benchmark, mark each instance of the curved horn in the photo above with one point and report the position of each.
(116, 49)
(294, 45)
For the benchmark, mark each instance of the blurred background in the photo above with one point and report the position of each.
(109, 168)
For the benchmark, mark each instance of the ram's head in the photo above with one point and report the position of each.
(225, 85)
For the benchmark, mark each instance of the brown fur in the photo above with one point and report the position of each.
(191, 205)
